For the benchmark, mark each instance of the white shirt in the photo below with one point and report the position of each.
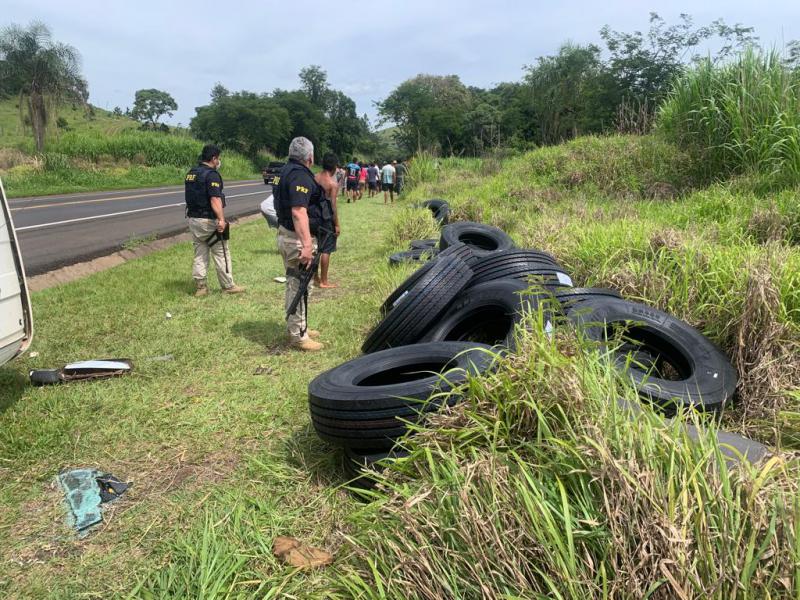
(387, 174)
(268, 206)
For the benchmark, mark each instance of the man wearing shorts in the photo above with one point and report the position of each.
(387, 181)
(353, 171)
(372, 179)
(326, 179)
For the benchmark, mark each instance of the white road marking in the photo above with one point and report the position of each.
(117, 214)
(53, 204)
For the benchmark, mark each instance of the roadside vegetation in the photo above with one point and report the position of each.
(541, 484)
(79, 160)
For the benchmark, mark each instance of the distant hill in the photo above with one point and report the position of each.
(386, 137)
(14, 135)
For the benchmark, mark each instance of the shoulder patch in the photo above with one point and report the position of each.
(214, 184)
(301, 188)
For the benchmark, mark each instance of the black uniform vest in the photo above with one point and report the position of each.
(320, 210)
(198, 202)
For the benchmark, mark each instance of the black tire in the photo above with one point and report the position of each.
(486, 313)
(400, 381)
(410, 410)
(459, 250)
(551, 276)
(439, 208)
(361, 464)
(40, 377)
(482, 239)
(516, 254)
(423, 244)
(689, 370)
(569, 297)
(398, 378)
(420, 305)
(414, 256)
(505, 258)
(404, 287)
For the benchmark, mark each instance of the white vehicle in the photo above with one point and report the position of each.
(16, 323)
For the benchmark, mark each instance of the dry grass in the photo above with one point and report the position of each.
(765, 349)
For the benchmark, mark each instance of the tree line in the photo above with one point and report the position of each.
(581, 89)
(44, 73)
(249, 122)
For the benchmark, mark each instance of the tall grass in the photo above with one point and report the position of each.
(89, 160)
(741, 117)
(544, 487)
(141, 147)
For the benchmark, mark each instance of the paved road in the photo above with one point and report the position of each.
(55, 231)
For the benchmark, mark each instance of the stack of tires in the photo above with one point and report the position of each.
(468, 296)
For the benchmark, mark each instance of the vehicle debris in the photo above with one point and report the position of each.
(79, 371)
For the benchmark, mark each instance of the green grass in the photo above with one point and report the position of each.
(741, 117)
(541, 486)
(214, 451)
(106, 153)
(538, 486)
(14, 135)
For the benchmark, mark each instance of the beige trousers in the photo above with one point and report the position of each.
(201, 229)
(289, 247)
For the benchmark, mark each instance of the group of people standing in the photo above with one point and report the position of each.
(356, 177)
(303, 208)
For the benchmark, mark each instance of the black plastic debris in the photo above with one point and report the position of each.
(111, 488)
(81, 371)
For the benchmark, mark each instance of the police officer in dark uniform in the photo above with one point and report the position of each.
(304, 214)
(205, 204)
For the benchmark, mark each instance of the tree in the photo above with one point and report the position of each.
(42, 72)
(792, 59)
(644, 65)
(564, 92)
(218, 92)
(314, 84)
(306, 119)
(345, 129)
(244, 122)
(150, 105)
(429, 112)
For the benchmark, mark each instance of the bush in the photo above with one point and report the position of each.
(742, 117)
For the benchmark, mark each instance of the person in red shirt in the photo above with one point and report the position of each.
(362, 181)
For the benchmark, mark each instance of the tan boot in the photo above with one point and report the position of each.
(307, 345)
(234, 289)
(313, 333)
(201, 291)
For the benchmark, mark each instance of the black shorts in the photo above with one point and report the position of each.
(373, 185)
(329, 245)
(352, 185)
(387, 187)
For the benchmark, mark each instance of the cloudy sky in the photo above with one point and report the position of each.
(367, 48)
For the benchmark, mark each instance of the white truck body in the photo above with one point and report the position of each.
(16, 323)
